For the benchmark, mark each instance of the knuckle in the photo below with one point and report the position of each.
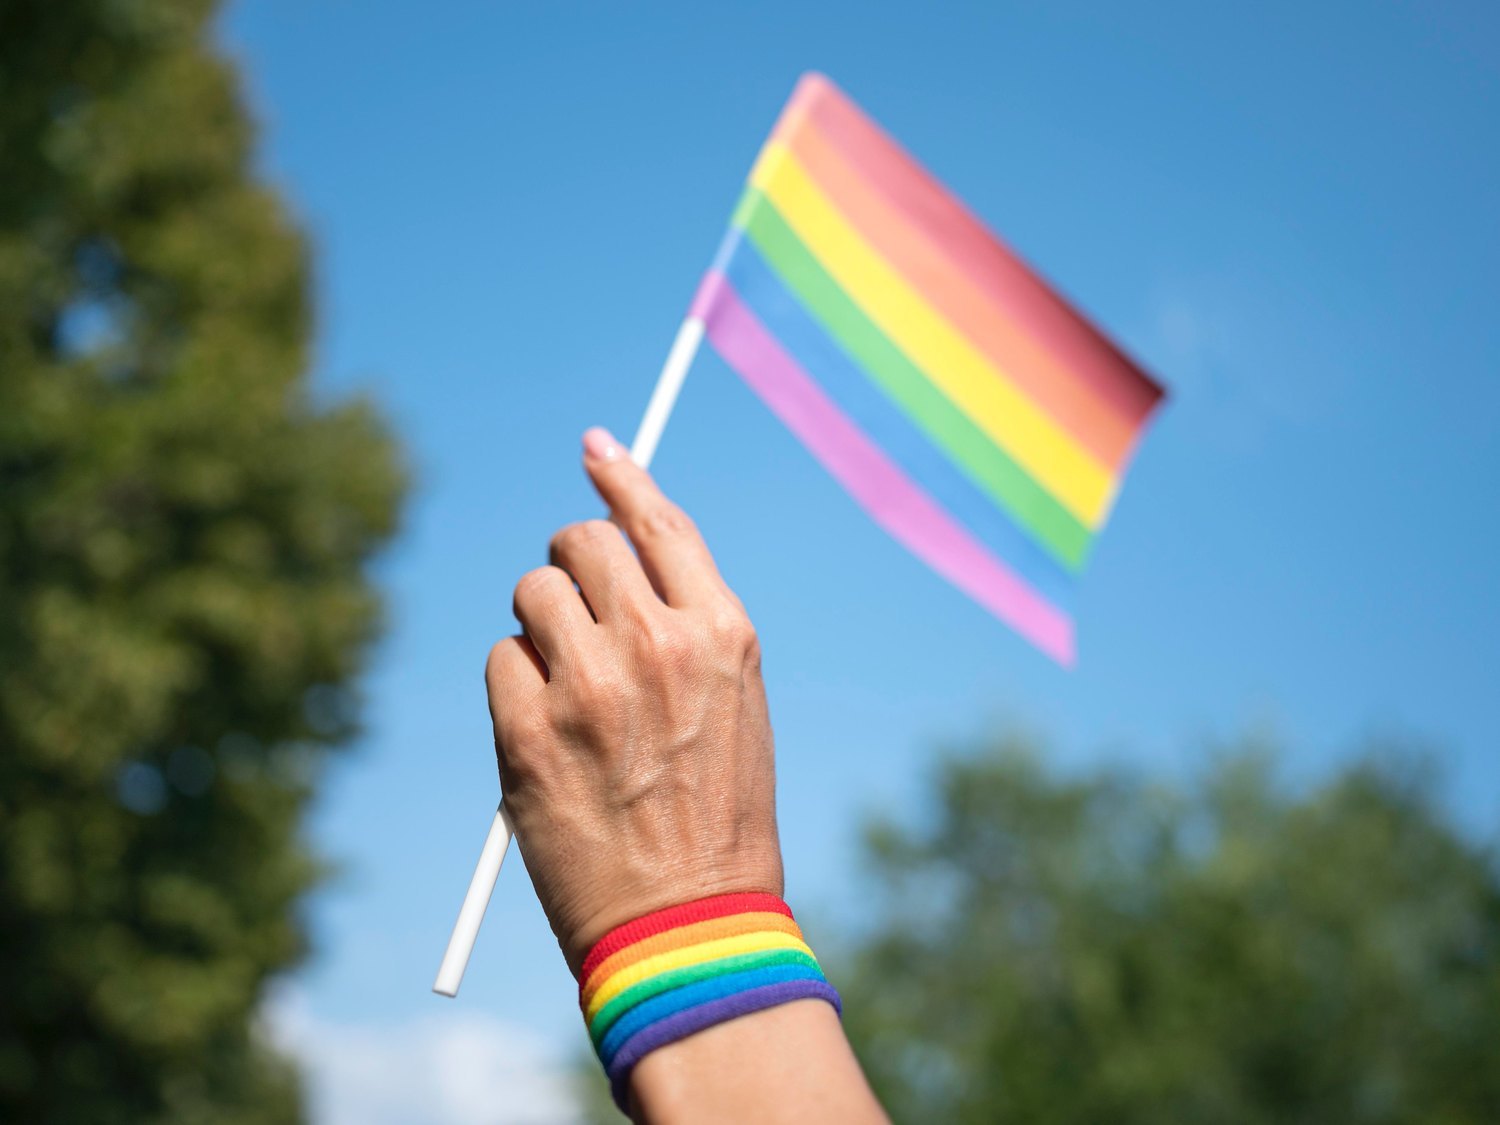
(664, 645)
(665, 520)
(564, 540)
(595, 689)
(535, 582)
(731, 628)
(580, 536)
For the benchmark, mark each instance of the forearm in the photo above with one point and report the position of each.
(785, 1064)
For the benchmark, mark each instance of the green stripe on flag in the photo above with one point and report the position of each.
(1013, 489)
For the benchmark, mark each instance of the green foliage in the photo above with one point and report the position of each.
(183, 533)
(1097, 949)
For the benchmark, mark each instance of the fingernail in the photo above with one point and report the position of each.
(600, 445)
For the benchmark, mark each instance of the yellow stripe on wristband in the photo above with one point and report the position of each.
(692, 955)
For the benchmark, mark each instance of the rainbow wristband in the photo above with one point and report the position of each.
(668, 974)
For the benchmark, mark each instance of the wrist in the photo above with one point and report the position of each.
(679, 971)
(638, 890)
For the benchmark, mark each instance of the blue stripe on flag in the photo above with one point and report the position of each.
(869, 408)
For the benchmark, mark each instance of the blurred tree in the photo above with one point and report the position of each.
(1101, 950)
(183, 533)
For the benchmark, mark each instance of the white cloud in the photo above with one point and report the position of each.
(456, 1069)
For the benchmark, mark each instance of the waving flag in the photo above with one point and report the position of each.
(967, 407)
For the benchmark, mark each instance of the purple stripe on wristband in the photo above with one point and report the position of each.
(680, 1025)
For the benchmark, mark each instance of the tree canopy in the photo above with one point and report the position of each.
(184, 603)
(1094, 948)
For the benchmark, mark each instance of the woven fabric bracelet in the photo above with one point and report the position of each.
(677, 971)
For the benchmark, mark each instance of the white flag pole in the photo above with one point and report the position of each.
(497, 843)
(664, 397)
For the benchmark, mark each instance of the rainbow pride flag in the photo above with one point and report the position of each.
(967, 407)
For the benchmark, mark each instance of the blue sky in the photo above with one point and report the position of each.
(1287, 211)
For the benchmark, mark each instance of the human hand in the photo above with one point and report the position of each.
(630, 719)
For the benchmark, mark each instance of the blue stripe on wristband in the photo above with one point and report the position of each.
(690, 996)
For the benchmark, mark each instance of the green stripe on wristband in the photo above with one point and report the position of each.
(690, 974)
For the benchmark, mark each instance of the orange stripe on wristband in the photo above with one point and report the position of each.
(660, 921)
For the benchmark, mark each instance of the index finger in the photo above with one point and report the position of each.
(672, 552)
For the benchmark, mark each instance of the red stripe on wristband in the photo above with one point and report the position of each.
(649, 925)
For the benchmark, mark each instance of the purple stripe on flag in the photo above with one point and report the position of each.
(875, 482)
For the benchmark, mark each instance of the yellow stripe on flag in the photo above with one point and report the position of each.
(1080, 482)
